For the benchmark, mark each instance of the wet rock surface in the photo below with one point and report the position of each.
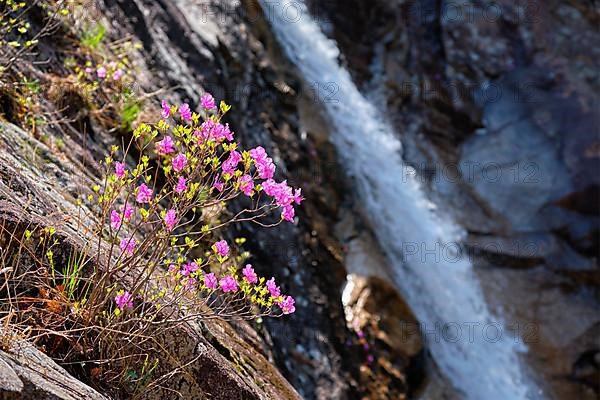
(389, 335)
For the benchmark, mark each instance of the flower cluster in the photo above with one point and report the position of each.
(192, 275)
(112, 70)
(202, 167)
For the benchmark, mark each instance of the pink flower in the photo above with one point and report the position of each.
(258, 153)
(221, 248)
(284, 197)
(115, 220)
(165, 146)
(144, 194)
(120, 169)
(112, 65)
(206, 129)
(221, 132)
(227, 132)
(265, 168)
(123, 300)
(179, 162)
(118, 74)
(218, 185)
(166, 110)
(280, 191)
(185, 112)
(264, 164)
(207, 101)
(231, 163)
(298, 196)
(210, 281)
(101, 71)
(88, 70)
(249, 274)
(170, 219)
(128, 246)
(229, 284)
(287, 305)
(189, 268)
(181, 185)
(287, 213)
(246, 184)
(173, 269)
(273, 288)
(128, 212)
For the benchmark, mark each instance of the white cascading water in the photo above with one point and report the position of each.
(440, 288)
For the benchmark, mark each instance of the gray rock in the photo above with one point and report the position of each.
(27, 373)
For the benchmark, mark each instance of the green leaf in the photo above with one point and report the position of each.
(94, 36)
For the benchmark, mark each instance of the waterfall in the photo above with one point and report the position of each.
(435, 278)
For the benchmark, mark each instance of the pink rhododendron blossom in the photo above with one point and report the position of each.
(210, 281)
(264, 164)
(206, 129)
(228, 284)
(273, 288)
(246, 184)
(231, 163)
(287, 305)
(284, 197)
(128, 246)
(165, 146)
(249, 274)
(166, 110)
(185, 112)
(120, 169)
(221, 248)
(287, 213)
(221, 132)
(298, 196)
(89, 70)
(219, 185)
(170, 219)
(118, 74)
(101, 71)
(144, 194)
(115, 220)
(189, 268)
(181, 185)
(207, 101)
(123, 300)
(128, 212)
(179, 162)
(214, 131)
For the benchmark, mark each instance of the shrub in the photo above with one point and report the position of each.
(16, 36)
(153, 257)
